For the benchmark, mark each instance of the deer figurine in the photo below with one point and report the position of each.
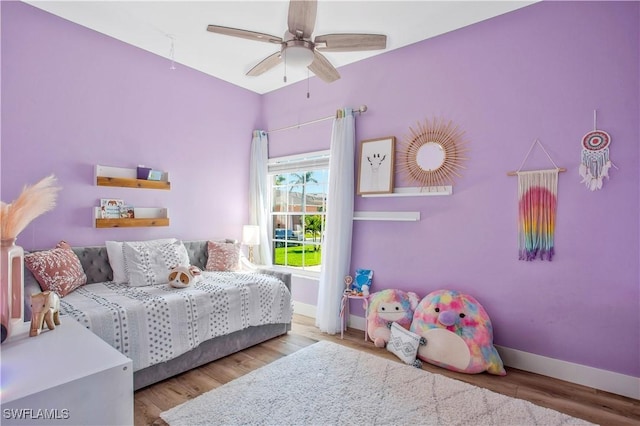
(45, 307)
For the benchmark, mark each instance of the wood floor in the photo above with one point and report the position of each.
(579, 401)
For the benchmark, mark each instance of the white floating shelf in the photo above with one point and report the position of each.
(116, 172)
(415, 191)
(391, 216)
(150, 212)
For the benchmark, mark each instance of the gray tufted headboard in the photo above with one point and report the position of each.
(95, 262)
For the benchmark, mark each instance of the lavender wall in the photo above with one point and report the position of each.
(534, 73)
(73, 98)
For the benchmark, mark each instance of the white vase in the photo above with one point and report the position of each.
(11, 285)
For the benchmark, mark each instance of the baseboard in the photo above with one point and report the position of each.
(596, 378)
(304, 309)
(359, 323)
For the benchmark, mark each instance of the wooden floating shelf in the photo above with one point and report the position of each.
(132, 183)
(131, 223)
(127, 178)
(144, 217)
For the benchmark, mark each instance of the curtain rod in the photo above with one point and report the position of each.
(360, 110)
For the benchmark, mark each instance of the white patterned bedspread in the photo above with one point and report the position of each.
(154, 324)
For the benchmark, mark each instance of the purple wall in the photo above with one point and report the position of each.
(534, 73)
(73, 98)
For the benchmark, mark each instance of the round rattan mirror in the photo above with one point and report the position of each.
(431, 154)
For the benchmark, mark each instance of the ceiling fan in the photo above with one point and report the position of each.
(297, 47)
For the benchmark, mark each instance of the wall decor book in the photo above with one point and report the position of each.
(363, 277)
(127, 212)
(155, 175)
(147, 173)
(110, 208)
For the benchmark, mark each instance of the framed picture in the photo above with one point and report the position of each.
(375, 175)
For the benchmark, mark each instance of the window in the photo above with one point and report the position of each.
(298, 209)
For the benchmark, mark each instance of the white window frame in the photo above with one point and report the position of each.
(299, 163)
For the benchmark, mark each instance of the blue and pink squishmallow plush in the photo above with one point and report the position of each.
(458, 332)
(385, 307)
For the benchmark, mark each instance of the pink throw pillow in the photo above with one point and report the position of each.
(58, 269)
(223, 256)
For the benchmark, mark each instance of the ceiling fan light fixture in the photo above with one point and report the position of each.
(297, 50)
(298, 53)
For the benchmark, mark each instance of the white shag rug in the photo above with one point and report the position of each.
(329, 384)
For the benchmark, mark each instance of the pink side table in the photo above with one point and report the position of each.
(344, 312)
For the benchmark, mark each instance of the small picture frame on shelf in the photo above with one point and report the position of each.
(375, 174)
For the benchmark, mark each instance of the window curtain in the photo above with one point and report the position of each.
(259, 196)
(336, 248)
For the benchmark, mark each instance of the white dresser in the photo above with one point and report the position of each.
(66, 376)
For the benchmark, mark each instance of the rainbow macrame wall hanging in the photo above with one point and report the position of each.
(537, 200)
(537, 203)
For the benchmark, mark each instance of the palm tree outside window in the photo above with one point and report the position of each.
(298, 210)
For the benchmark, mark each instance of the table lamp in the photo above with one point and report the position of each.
(250, 238)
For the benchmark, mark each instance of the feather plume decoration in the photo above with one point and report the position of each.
(32, 202)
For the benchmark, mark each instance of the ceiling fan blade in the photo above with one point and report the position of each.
(302, 17)
(251, 35)
(323, 68)
(350, 42)
(265, 65)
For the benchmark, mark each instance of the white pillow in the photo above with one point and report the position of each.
(115, 254)
(149, 264)
(404, 344)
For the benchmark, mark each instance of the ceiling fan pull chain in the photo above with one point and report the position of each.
(285, 68)
(308, 95)
(172, 53)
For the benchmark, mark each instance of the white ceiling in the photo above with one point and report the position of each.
(152, 25)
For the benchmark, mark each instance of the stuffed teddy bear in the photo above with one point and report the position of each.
(388, 306)
(184, 276)
(458, 332)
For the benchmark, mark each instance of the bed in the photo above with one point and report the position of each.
(165, 330)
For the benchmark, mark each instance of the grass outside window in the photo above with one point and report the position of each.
(298, 256)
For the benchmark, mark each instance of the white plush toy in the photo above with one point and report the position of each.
(184, 276)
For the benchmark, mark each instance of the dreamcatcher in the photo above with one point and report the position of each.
(595, 162)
